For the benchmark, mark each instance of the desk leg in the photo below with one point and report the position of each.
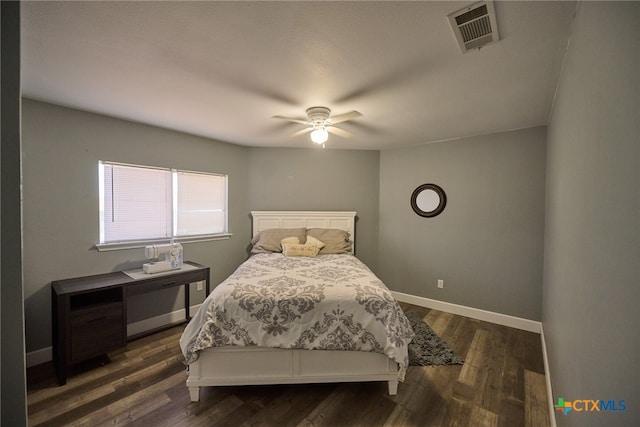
(186, 300)
(60, 312)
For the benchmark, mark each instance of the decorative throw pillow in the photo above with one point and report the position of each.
(268, 241)
(336, 241)
(297, 249)
(293, 240)
(312, 241)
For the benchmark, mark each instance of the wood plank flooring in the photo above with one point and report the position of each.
(501, 383)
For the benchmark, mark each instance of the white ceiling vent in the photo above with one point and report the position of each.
(475, 26)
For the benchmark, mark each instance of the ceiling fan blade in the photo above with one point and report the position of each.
(340, 132)
(301, 132)
(344, 117)
(293, 119)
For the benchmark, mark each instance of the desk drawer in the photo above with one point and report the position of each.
(164, 282)
(95, 330)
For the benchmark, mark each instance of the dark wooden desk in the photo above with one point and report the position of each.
(90, 313)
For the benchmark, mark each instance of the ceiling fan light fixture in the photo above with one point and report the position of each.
(319, 135)
(320, 123)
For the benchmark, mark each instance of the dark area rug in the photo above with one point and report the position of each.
(427, 348)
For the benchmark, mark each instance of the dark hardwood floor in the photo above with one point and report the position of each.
(501, 383)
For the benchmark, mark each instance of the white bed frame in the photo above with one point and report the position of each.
(257, 365)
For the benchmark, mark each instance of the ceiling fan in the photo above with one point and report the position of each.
(320, 123)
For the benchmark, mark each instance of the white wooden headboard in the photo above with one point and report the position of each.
(263, 220)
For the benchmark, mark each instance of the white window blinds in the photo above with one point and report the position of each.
(145, 203)
(201, 204)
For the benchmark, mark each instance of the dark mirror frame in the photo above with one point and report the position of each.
(438, 210)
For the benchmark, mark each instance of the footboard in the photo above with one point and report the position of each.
(255, 365)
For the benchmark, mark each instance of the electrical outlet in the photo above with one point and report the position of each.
(200, 286)
(440, 284)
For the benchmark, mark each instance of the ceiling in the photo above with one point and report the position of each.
(223, 69)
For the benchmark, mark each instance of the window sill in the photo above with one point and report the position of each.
(104, 247)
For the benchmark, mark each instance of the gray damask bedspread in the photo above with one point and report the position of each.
(331, 302)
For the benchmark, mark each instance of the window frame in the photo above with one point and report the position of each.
(140, 243)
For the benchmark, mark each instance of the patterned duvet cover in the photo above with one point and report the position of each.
(329, 302)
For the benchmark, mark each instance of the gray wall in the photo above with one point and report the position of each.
(13, 408)
(61, 149)
(317, 179)
(487, 245)
(592, 239)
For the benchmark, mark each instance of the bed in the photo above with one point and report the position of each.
(289, 316)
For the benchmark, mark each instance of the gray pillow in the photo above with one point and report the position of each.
(335, 241)
(268, 241)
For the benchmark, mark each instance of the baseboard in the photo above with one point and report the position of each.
(547, 375)
(39, 357)
(45, 355)
(158, 321)
(474, 313)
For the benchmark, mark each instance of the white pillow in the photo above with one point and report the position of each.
(293, 240)
(296, 249)
(312, 241)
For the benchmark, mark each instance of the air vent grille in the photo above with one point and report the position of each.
(471, 15)
(475, 26)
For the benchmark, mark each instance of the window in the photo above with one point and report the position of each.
(201, 204)
(140, 204)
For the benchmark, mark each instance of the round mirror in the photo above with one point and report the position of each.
(428, 200)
